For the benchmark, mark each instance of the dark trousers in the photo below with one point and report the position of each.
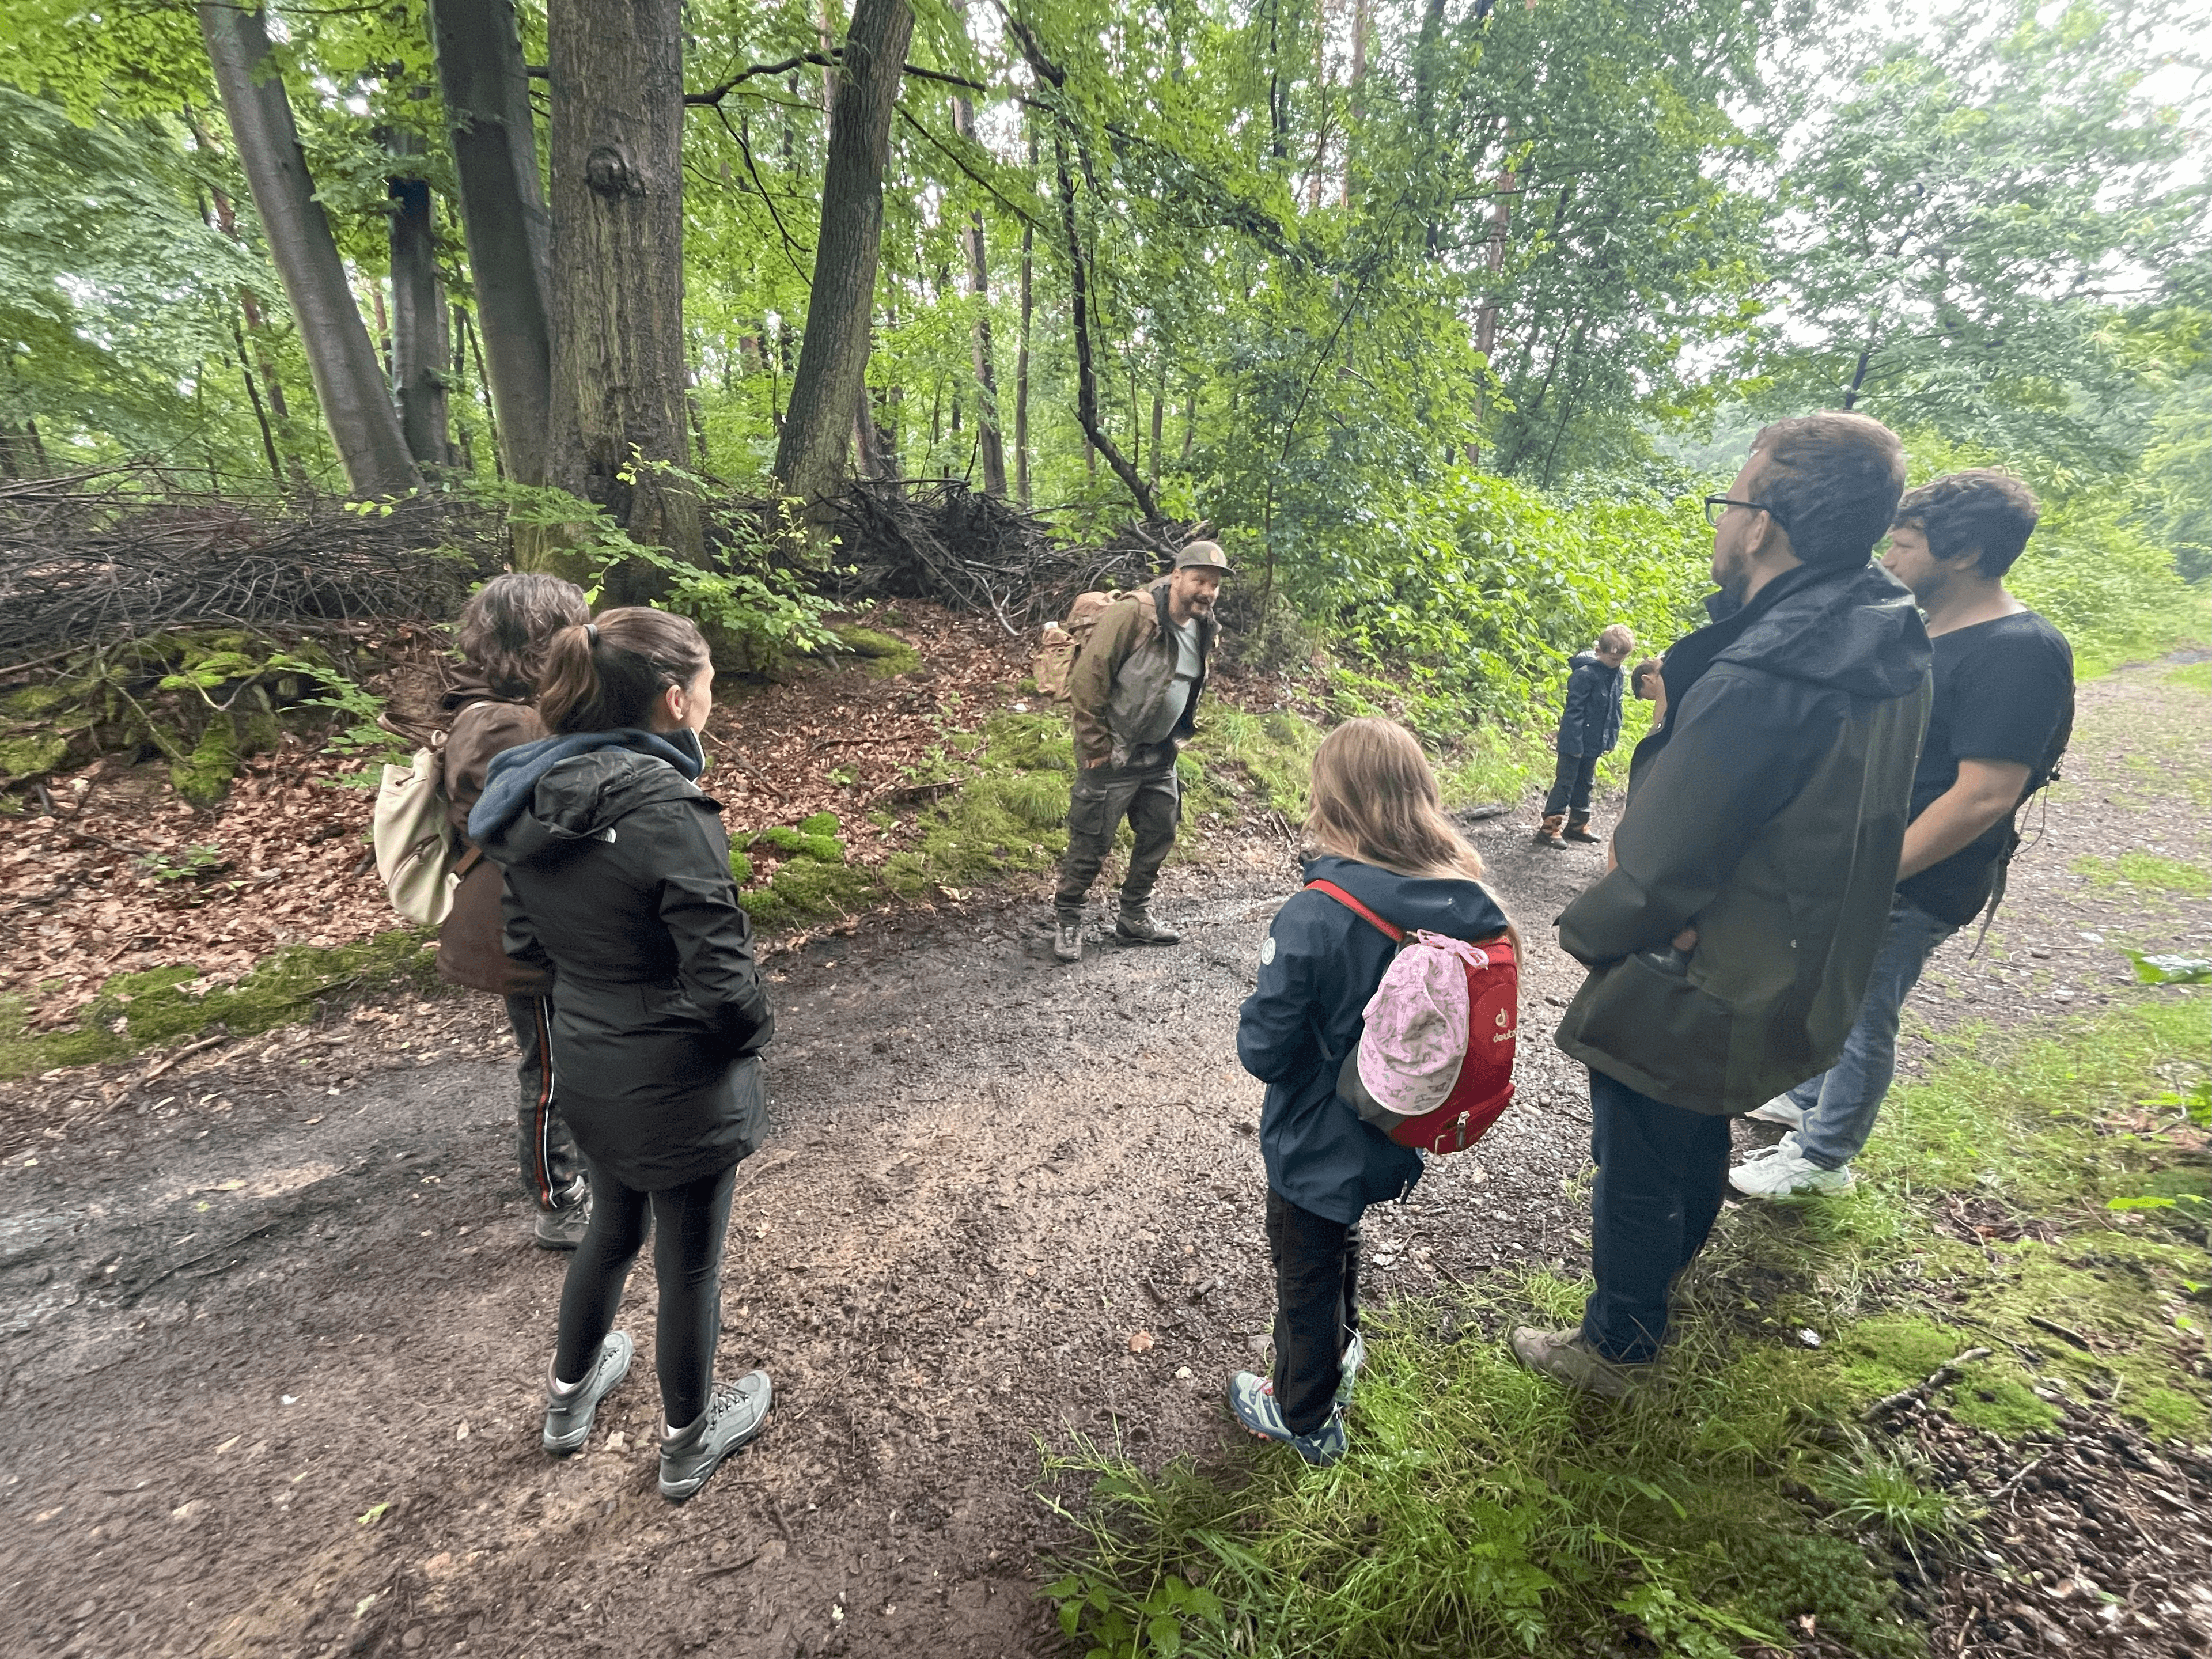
(1100, 797)
(688, 1223)
(1661, 1172)
(543, 1147)
(1571, 784)
(1316, 1307)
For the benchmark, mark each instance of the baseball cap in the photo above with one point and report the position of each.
(1204, 556)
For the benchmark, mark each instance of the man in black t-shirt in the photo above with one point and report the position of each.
(2003, 710)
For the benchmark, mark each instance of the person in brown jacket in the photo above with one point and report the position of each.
(504, 630)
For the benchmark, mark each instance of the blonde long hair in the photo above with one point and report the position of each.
(1375, 800)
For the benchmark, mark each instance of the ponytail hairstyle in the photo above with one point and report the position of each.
(508, 623)
(603, 675)
(1375, 800)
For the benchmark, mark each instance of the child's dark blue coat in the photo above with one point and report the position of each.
(1320, 966)
(1590, 723)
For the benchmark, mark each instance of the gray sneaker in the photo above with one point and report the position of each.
(738, 1412)
(1068, 941)
(1567, 1357)
(569, 1411)
(561, 1227)
(1137, 928)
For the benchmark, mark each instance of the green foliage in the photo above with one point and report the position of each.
(754, 611)
(1474, 598)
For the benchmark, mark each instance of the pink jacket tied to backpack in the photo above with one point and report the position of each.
(1415, 1042)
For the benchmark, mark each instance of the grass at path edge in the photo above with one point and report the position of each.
(1483, 1510)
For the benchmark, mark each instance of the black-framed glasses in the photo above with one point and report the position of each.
(1717, 505)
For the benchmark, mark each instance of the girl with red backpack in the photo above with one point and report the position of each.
(1383, 863)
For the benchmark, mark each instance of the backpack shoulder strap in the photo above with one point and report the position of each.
(1395, 934)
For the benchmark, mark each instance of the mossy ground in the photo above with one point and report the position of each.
(882, 656)
(137, 1011)
(1483, 1510)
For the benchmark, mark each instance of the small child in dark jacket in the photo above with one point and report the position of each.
(1588, 727)
(1375, 829)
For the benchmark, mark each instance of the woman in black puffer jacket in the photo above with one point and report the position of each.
(619, 877)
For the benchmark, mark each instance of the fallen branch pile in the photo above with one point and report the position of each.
(129, 551)
(937, 539)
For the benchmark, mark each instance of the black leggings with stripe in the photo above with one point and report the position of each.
(688, 1224)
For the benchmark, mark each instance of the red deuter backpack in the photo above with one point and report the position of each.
(1484, 1088)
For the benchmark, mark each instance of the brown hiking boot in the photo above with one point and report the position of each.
(1579, 830)
(1566, 1357)
(1547, 832)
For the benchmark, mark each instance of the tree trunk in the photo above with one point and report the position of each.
(418, 310)
(810, 458)
(618, 369)
(990, 446)
(1361, 21)
(503, 218)
(1086, 372)
(1022, 352)
(355, 402)
(257, 326)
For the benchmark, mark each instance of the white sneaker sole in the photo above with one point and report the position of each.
(1790, 1117)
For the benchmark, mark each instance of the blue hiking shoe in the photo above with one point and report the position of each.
(1355, 1356)
(569, 1411)
(1252, 1402)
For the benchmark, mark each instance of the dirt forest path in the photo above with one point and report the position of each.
(273, 1345)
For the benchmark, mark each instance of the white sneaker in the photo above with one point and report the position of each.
(1785, 1172)
(1781, 1109)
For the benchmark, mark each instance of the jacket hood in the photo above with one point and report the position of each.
(562, 789)
(1855, 629)
(1457, 909)
(466, 684)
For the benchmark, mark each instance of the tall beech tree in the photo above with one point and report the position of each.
(617, 69)
(419, 346)
(833, 355)
(990, 447)
(349, 381)
(508, 232)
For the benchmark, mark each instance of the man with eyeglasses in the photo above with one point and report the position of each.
(1731, 943)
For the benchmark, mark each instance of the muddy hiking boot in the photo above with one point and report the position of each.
(1547, 832)
(1252, 1403)
(1567, 1357)
(1068, 940)
(736, 1414)
(1137, 928)
(1579, 830)
(561, 1226)
(570, 1407)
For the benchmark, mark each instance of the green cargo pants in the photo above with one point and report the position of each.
(1101, 796)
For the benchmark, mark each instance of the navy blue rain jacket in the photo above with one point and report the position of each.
(1318, 969)
(1590, 723)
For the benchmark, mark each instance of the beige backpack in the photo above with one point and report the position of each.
(1054, 668)
(417, 851)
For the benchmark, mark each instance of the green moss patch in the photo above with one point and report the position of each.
(204, 777)
(882, 656)
(30, 758)
(138, 1010)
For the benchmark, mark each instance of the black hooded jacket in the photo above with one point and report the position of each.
(1318, 969)
(1768, 812)
(618, 876)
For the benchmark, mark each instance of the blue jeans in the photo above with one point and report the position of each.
(1661, 1172)
(1840, 1104)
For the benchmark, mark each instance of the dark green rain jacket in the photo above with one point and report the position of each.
(1767, 812)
